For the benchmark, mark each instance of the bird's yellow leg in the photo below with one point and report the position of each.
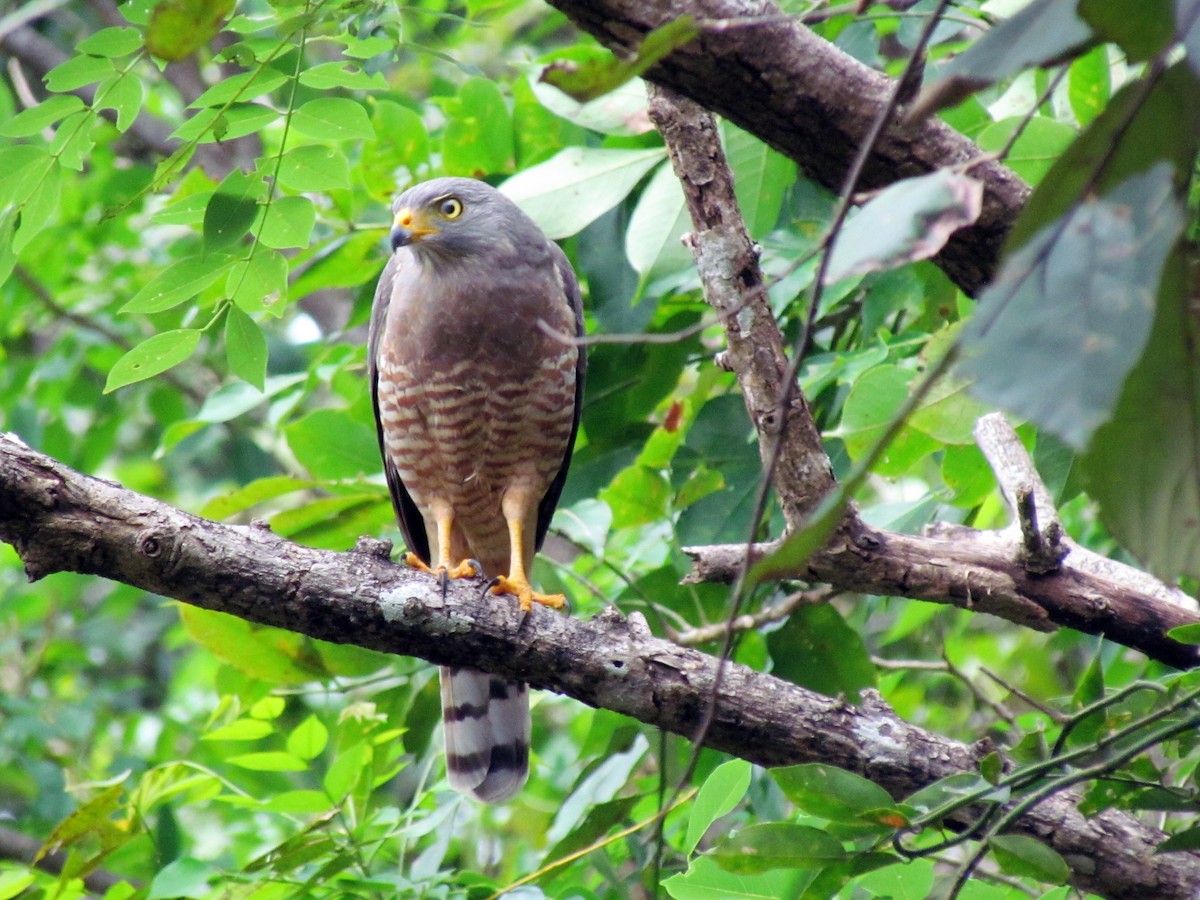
(517, 581)
(465, 569)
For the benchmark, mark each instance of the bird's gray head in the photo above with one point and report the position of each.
(450, 219)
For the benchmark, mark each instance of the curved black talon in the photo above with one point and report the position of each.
(478, 567)
(443, 581)
(487, 587)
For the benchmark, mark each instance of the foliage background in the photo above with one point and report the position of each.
(189, 259)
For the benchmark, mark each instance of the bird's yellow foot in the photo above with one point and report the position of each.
(468, 568)
(526, 595)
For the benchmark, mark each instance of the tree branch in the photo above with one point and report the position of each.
(60, 520)
(775, 78)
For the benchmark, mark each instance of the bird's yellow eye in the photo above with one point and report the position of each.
(450, 207)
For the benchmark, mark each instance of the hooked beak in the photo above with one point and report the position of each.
(409, 227)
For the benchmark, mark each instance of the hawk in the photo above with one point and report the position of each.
(477, 407)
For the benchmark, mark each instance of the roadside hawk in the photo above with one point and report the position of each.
(477, 408)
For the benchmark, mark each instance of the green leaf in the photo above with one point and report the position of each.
(73, 142)
(269, 654)
(308, 739)
(333, 119)
(761, 178)
(245, 347)
(758, 848)
(242, 87)
(332, 445)
(622, 112)
(231, 210)
(79, 71)
(314, 168)
(346, 771)
(268, 761)
(14, 882)
(908, 221)
(178, 28)
(185, 877)
(705, 880)
(833, 793)
(477, 139)
(401, 145)
(1043, 33)
(31, 121)
(660, 219)
(337, 74)
(1028, 857)
(1089, 84)
(240, 730)
(573, 188)
(112, 42)
(873, 402)
(152, 357)
(902, 881)
(41, 206)
(1189, 839)
(178, 283)
(1186, 634)
(123, 94)
(637, 496)
(1073, 308)
(1038, 147)
(816, 649)
(720, 793)
(260, 283)
(597, 77)
(1141, 466)
(1141, 28)
(289, 223)
(24, 166)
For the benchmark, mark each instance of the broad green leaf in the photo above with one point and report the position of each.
(73, 141)
(337, 74)
(873, 402)
(1141, 466)
(112, 42)
(241, 119)
(816, 649)
(346, 771)
(123, 94)
(178, 28)
(652, 241)
(260, 283)
(705, 880)
(1141, 28)
(637, 496)
(909, 221)
(761, 178)
(911, 880)
(1028, 857)
(231, 210)
(1073, 308)
(185, 877)
(401, 146)
(245, 347)
(1089, 84)
(13, 883)
(333, 119)
(178, 283)
(24, 165)
(1135, 129)
(79, 71)
(243, 87)
(599, 821)
(947, 413)
(621, 112)
(39, 208)
(1039, 146)
(153, 356)
(314, 168)
(259, 491)
(332, 445)
(275, 656)
(31, 121)
(268, 761)
(478, 138)
(720, 793)
(597, 77)
(758, 848)
(301, 802)
(573, 188)
(240, 730)
(1186, 634)
(1043, 33)
(308, 739)
(288, 223)
(1189, 839)
(833, 793)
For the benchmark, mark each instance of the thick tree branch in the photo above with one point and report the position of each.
(60, 520)
(809, 100)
